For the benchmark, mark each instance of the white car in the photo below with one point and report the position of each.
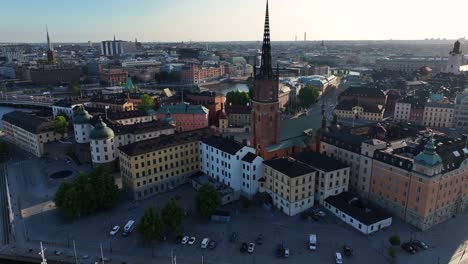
(114, 230)
(192, 240)
(185, 239)
(205, 242)
(251, 248)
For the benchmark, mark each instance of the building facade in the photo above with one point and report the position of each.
(439, 115)
(29, 131)
(186, 116)
(290, 185)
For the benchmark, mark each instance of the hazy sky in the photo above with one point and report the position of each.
(224, 20)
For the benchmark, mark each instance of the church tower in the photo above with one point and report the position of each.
(50, 50)
(455, 59)
(265, 115)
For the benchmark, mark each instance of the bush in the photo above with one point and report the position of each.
(394, 240)
(392, 252)
(245, 202)
(304, 216)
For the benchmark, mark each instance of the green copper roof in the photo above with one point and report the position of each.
(129, 84)
(183, 108)
(428, 157)
(101, 131)
(82, 117)
(168, 119)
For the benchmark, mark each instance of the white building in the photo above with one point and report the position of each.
(461, 110)
(455, 63)
(66, 106)
(439, 115)
(230, 163)
(402, 111)
(352, 211)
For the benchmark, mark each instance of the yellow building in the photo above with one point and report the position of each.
(29, 131)
(153, 166)
(347, 109)
(290, 184)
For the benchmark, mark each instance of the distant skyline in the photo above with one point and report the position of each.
(221, 20)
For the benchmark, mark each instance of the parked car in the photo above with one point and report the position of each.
(191, 241)
(279, 251)
(58, 252)
(234, 237)
(178, 239)
(185, 239)
(205, 242)
(286, 253)
(212, 244)
(251, 248)
(114, 230)
(338, 258)
(244, 247)
(348, 250)
(420, 244)
(259, 239)
(321, 213)
(408, 248)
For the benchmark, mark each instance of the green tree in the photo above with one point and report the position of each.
(146, 102)
(394, 240)
(60, 125)
(245, 202)
(172, 216)
(74, 89)
(308, 96)
(392, 252)
(237, 98)
(150, 226)
(88, 193)
(4, 150)
(207, 200)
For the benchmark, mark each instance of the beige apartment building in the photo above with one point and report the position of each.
(29, 131)
(290, 184)
(160, 164)
(439, 115)
(332, 176)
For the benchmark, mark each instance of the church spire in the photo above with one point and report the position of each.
(49, 45)
(266, 71)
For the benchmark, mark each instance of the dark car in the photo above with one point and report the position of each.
(408, 248)
(244, 247)
(259, 239)
(279, 251)
(234, 237)
(419, 244)
(212, 244)
(178, 239)
(348, 250)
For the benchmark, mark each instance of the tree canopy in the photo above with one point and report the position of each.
(146, 102)
(207, 200)
(308, 96)
(150, 226)
(60, 125)
(237, 98)
(87, 194)
(74, 88)
(172, 216)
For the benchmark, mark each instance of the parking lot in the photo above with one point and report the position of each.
(91, 232)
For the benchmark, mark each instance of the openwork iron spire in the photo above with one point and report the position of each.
(49, 45)
(266, 71)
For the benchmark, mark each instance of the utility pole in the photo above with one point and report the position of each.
(74, 251)
(102, 254)
(42, 254)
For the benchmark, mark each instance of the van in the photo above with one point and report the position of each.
(205, 242)
(312, 242)
(338, 258)
(128, 228)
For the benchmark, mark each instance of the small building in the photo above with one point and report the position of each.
(29, 131)
(439, 114)
(363, 217)
(348, 109)
(226, 194)
(186, 116)
(289, 183)
(238, 115)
